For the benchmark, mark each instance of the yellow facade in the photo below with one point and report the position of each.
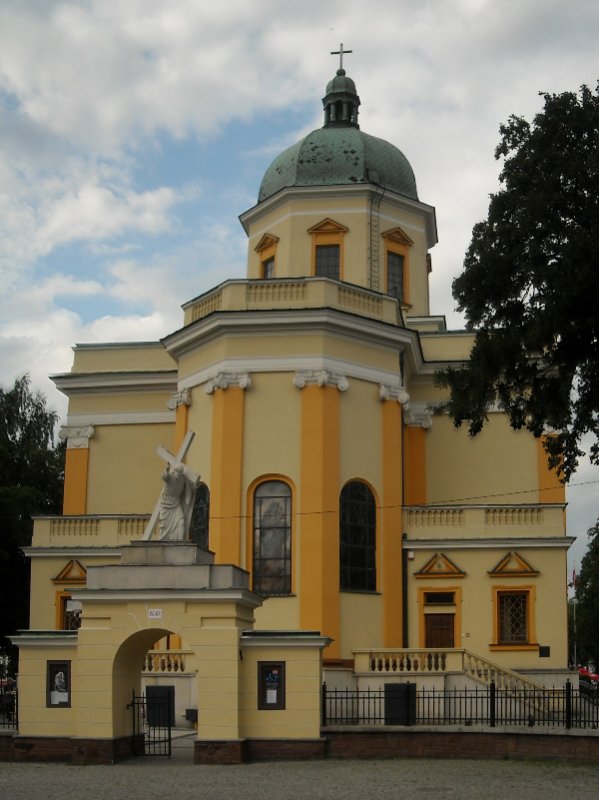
(397, 532)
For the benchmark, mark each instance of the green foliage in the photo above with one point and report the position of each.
(530, 284)
(31, 479)
(587, 602)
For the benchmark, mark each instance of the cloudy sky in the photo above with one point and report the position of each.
(133, 134)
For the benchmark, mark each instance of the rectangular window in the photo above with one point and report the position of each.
(512, 609)
(395, 275)
(439, 598)
(271, 685)
(268, 268)
(327, 261)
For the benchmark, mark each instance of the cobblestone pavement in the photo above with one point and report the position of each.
(418, 779)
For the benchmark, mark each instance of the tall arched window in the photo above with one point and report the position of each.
(357, 538)
(272, 538)
(200, 517)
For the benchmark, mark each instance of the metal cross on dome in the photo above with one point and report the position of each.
(341, 52)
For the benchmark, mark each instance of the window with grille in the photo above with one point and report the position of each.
(513, 617)
(395, 263)
(327, 260)
(72, 614)
(272, 538)
(357, 538)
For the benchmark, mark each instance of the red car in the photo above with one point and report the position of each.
(586, 675)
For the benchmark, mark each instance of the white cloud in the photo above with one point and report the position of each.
(87, 86)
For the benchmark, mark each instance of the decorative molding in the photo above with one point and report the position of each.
(121, 418)
(439, 566)
(72, 573)
(321, 377)
(267, 240)
(418, 415)
(293, 364)
(398, 235)
(328, 225)
(398, 393)
(77, 436)
(224, 380)
(513, 564)
(181, 398)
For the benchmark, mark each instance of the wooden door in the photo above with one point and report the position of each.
(439, 630)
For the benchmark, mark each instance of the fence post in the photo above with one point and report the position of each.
(568, 704)
(323, 704)
(492, 696)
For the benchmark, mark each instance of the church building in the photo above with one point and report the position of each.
(334, 522)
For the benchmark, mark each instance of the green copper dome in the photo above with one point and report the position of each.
(339, 153)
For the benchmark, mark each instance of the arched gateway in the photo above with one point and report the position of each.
(249, 685)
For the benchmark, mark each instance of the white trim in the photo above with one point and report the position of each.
(487, 544)
(292, 364)
(122, 418)
(115, 382)
(244, 596)
(285, 641)
(72, 552)
(44, 639)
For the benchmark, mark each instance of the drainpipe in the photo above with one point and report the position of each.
(404, 591)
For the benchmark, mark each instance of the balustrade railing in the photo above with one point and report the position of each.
(165, 661)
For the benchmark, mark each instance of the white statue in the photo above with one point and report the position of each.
(174, 508)
(176, 504)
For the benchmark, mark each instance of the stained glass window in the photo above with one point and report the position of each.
(272, 538)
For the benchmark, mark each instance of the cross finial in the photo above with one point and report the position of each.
(340, 53)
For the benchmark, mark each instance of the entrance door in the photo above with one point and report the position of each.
(439, 630)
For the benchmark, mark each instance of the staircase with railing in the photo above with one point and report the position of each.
(438, 661)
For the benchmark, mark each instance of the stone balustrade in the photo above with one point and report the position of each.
(283, 293)
(436, 661)
(108, 530)
(478, 521)
(160, 662)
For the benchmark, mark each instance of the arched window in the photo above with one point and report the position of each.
(272, 538)
(199, 527)
(357, 538)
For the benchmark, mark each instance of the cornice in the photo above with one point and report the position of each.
(328, 192)
(540, 542)
(127, 381)
(294, 322)
(294, 364)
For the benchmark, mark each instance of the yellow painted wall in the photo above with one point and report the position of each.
(110, 357)
(300, 719)
(476, 612)
(124, 468)
(497, 466)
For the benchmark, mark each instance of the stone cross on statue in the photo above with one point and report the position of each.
(173, 510)
(341, 52)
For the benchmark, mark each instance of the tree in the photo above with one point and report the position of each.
(31, 479)
(587, 602)
(530, 285)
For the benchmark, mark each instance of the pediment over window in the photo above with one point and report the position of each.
(513, 564)
(398, 235)
(328, 225)
(439, 566)
(73, 573)
(268, 240)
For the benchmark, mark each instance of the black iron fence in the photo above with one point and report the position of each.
(9, 705)
(405, 704)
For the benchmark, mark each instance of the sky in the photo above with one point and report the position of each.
(134, 133)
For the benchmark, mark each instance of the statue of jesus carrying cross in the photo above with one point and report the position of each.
(172, 512)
